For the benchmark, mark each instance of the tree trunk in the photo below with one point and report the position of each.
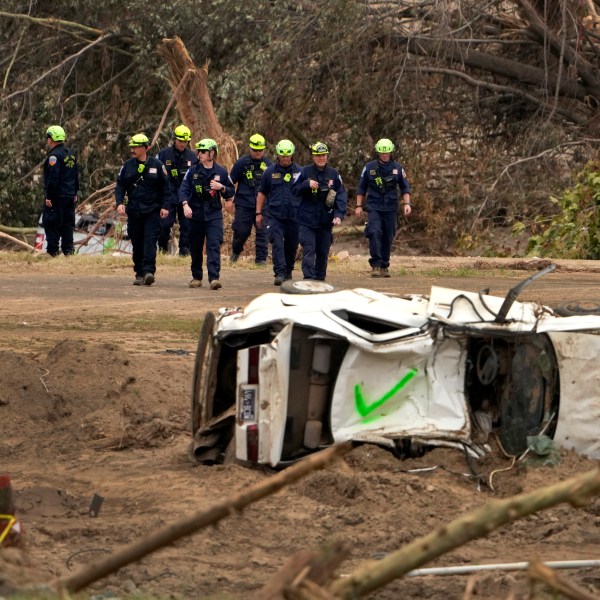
(194, 104)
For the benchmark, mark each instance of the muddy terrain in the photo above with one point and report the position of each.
(95, 378)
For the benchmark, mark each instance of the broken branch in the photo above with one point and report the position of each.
(169, 534)
(16, 241)
(479, 523)
(541, 572)
(59, 66)
(51, 22)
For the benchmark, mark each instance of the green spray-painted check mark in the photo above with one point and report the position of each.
(365, 409)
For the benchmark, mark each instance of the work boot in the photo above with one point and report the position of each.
(385, 272)
(376, 272)
(234, 257)
(148, 279)
(215, 284)
(195, 283)
(279, 279)
(260, 263)
(139, 280)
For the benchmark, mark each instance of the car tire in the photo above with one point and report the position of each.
(306, 286)
(206, 331)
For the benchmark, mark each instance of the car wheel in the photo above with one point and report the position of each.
(306, 286)
(208, 326)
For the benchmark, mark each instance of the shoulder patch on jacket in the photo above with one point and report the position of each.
(52, 161)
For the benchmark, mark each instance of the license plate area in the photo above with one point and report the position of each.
(248, 398)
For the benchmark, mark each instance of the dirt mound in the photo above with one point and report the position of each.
(91, 394)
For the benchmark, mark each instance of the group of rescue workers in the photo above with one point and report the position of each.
(288, 205)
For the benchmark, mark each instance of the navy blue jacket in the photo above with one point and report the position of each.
(61, 174)
(195, 189)
(177, 165)
(380, 182)
(247, 173)
(313, 211)
(146, 185)
(276, 185)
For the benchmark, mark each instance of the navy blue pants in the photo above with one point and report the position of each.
(176, 213)
(212, 233)
(283, 235)
(143, 232)
(58, 223)
(243, 221)
(315, 243)
(380, 231)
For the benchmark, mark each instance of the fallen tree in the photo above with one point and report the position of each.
(194, 103)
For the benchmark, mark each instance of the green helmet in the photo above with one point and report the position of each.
(285, 148)
(182, 133)
(257, 142)
(56, 133)
(319, 148)
(384, 146)
(207, 144)
(139, 139)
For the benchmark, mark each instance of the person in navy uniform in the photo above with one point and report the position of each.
(379, 181)
(323, 203)
(143, 179)
(177, 158)
(61, 184)
(247, 174)
(276, 188)
(200, 194)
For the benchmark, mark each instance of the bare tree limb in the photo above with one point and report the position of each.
(169, 104)
(524, 160)
(13, 58)
(104, 85)
(197, 521)
(21, 230)
(502, 89)
(59, 66)
(576, 491)
(52, 22)
(587, 71)
(14, 240)
(524, 73)
(303, 569)
(539, 571)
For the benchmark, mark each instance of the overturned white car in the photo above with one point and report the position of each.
(292, 373)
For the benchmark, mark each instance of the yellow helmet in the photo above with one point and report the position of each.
(319, 148)
(384, 146)
(285, 148)
(257, 142)
(182, 133)
(56, 133)
(207, 144)
(139, 139)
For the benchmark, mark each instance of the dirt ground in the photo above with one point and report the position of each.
(91, 404)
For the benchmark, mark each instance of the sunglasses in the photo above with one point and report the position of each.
(203, 151)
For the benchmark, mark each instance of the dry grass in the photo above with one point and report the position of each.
(18, 261)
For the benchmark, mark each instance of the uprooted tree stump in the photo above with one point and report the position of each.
(193, 99)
